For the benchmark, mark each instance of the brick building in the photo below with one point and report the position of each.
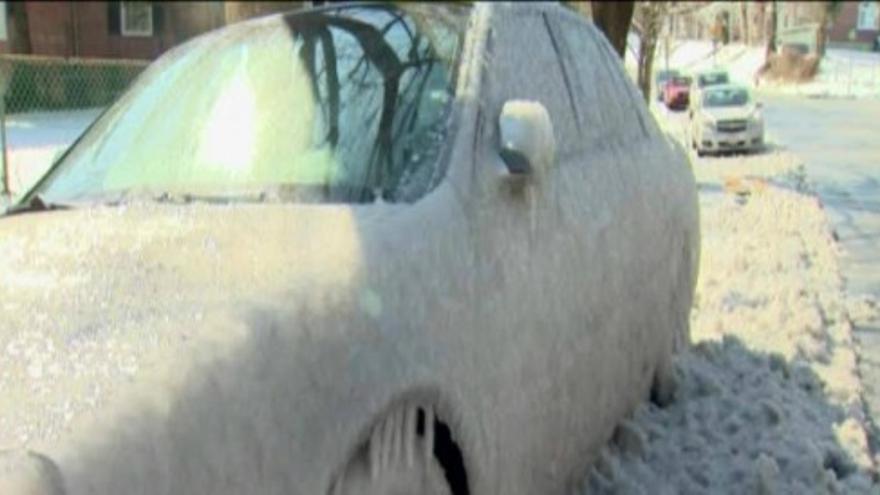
(127, 30)
(857, 25)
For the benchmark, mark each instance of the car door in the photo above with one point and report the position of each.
(653, 208)
(539, 264)
(572, 262)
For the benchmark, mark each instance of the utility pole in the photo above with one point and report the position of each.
(771, 36)
(5, 76)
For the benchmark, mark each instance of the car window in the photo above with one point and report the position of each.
(681, 81)
(713, 79)
(525, 65)
(606, 99)
(725, 97)
(339, 105)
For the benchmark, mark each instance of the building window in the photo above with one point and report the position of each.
(136, 18)
(868, 12)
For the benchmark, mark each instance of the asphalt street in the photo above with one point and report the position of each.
(839, 141)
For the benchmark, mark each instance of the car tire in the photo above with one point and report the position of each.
(397, 460)
(664, 384)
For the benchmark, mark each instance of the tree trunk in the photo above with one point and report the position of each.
(821, 36)
(613, 19)
(758, 26)
(744, 9)
(771, 31)
(646, 64)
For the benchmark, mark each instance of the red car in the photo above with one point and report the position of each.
(676, 92)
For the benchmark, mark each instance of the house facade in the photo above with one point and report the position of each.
(857, 25)
(116, 30)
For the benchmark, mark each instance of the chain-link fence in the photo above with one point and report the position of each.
(46, 102)
(49, 83)
(852, 77)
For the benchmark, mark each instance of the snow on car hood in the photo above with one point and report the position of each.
(91, 296)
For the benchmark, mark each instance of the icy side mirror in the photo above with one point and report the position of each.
(528, 145)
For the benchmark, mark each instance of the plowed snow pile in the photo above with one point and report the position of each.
(769, 399)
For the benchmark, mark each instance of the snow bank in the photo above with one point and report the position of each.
(742, 422)
(769, 398)
(770, 276)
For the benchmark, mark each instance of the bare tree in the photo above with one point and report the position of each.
(648, 19)
(828, 12)
(771, 30)
(613, 19)
(757, 27)
(744, 13)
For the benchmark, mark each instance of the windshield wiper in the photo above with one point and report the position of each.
(37, 203)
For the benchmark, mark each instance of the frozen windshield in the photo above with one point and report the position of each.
(713, 79)
(727, 97)
(336, 105)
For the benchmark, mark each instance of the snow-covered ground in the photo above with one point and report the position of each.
(769, 398)
(34, 139)
(842, 73)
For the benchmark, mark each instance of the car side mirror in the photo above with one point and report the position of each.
(759, 105)
(527, 145)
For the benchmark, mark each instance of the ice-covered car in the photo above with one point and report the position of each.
(726, 118)
(676, 92)
(355, 249)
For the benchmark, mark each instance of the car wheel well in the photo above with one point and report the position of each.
(448, 453)
(430, 427)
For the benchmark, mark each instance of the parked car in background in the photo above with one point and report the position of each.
(726, 118)
(676, 92)
(704, 79)
(357, 249)
(660, 80)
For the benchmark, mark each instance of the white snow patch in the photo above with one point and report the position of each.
(769, 398)
(842, 73)
(742, 422)
(34, 139)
